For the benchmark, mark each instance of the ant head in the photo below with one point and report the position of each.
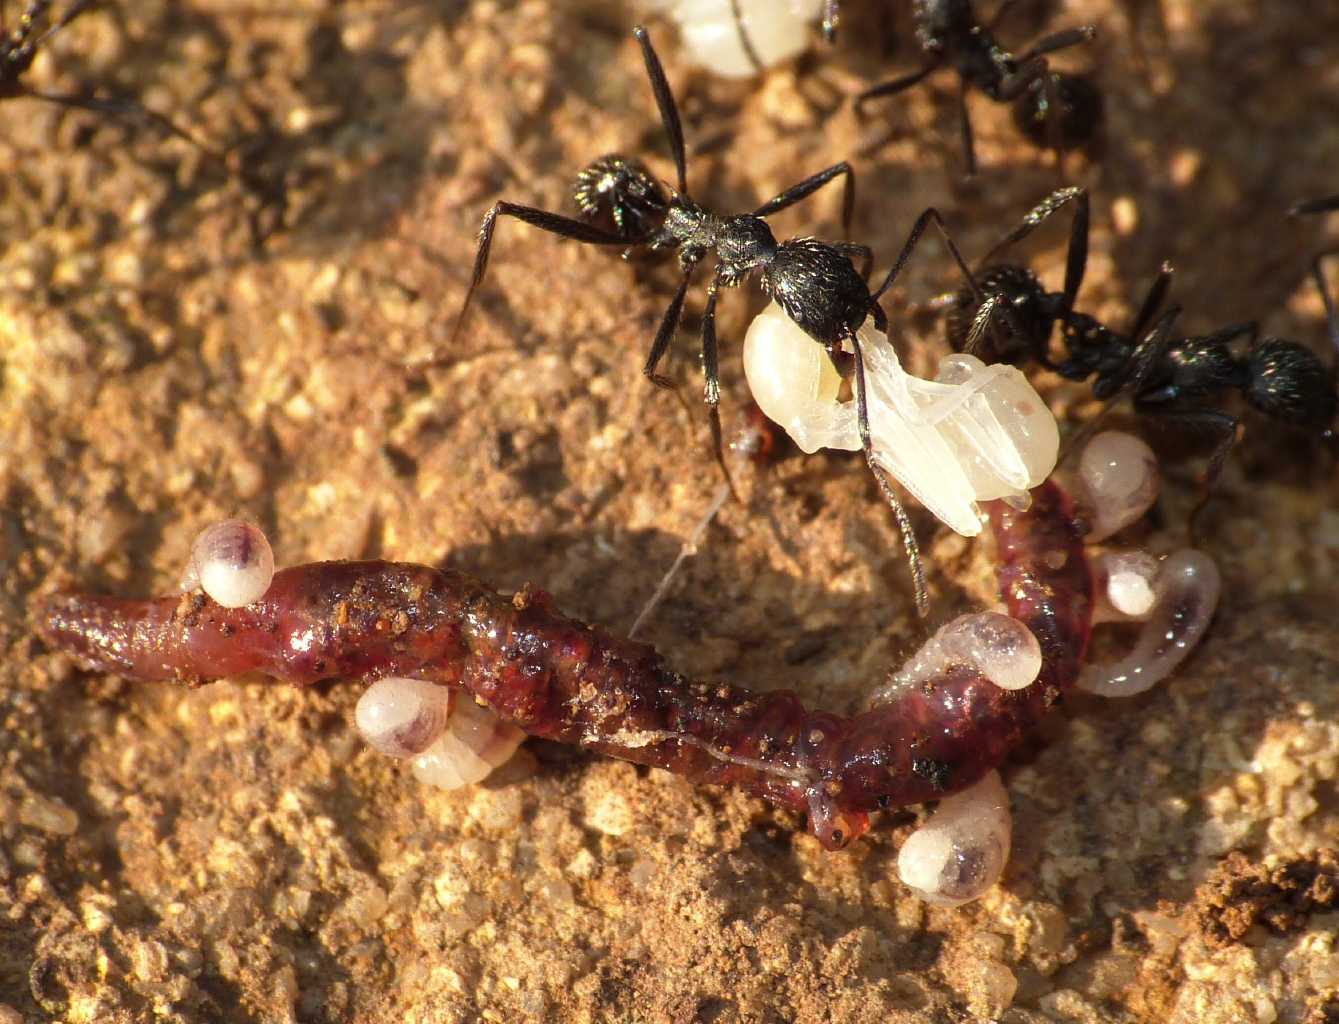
(745, 242)
(620, 195)
(1078, 108)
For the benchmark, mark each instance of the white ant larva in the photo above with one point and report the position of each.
(231, 561)
(960, 852)
(740, 38)
(453, 741)
(977, 433)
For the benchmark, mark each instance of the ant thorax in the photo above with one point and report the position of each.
(743, 244)
(690, 228)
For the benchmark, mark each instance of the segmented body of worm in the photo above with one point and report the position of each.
(563, 680)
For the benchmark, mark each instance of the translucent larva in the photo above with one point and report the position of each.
(961, 851)
(232, 562)
(1119, 472)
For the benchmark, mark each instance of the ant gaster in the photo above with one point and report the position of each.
(949, 32)
(815, 282)
(1163, 374)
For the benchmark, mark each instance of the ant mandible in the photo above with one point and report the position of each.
(815, 282)
(1053, 109)
(1164, 375)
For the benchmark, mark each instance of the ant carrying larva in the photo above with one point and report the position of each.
(815, 283)
(1174, 378)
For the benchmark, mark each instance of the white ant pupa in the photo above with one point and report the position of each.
(740, 38)
(975, 434)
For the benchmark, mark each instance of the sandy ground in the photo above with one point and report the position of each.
(236, 854)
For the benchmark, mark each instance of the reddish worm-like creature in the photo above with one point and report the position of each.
(563, 680)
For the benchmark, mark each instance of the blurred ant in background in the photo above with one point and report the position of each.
(19, 48)
(1164, 375)
(1052, 109)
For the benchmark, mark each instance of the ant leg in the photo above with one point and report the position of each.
(712, 389)
(554, 223)
(809, 186)
(1000, 15)
(1222, 423)
(669, 323)
(127, 108)
(1157, 292)
(1076, 259)
(1318, 275)
(1224, 335)
(1054, 129)
(965, 125)
(1058, 41)
(831, 19)
(1138, 368)
(1322, 205)
(909, 542)
(745, 43)
(918, 229)
(851, 250)
(896, 85)
(669, 112)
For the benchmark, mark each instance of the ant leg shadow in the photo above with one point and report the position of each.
(1225, 426)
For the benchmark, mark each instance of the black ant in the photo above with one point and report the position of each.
(19, 49)
(815, 282)
(1163, 375)
(1052, 109)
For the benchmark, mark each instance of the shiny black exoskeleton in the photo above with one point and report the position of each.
(815, 282)
(1051, 108)
(1163, 375)
(619, 194)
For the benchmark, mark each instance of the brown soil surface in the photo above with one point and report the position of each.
(236, 854)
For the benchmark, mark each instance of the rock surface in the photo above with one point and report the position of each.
(235, 854)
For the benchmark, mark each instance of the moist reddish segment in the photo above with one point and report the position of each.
(564, 680)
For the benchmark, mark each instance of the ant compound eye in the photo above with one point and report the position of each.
(232, 562)
(961, 851)
(740, 38)
(795, 384)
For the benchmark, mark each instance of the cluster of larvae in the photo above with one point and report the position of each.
(961, 850)
(451, 740)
